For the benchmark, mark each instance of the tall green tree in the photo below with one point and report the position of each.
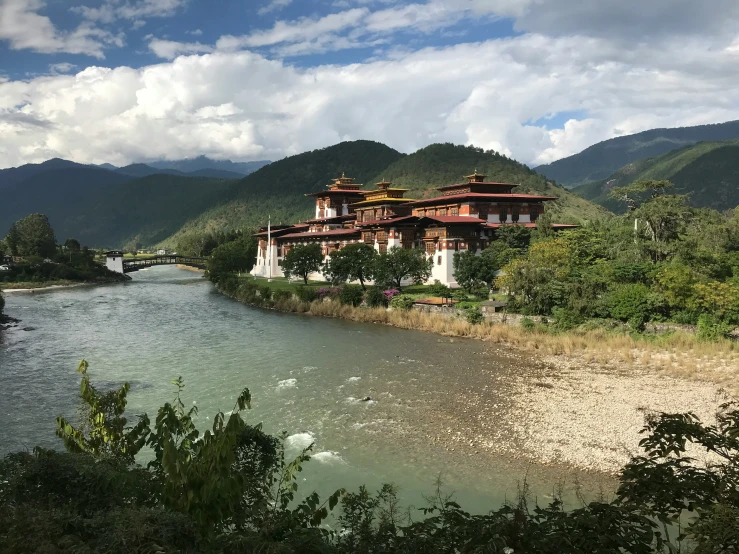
(354, 262)
(659, 217)
(400, 264)
(32, 236)
(302, 260)
(232, 257)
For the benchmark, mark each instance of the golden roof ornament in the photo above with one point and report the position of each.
(475, 177)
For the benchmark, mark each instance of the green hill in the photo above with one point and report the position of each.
(445, 164)
(708, 171)
(279, 188)
(52, 189)
(603, 159)
(142, 211)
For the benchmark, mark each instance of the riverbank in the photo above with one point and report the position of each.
(580, 404)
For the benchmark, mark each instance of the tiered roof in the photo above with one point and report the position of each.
(342, 185)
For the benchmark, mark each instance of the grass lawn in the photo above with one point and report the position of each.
(280, 283)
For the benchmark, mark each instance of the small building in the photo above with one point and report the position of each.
(162, 252)
(114, 260)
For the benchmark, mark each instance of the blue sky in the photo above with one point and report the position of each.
(130, 80)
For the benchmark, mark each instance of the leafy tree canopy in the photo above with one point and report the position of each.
(354, 262)
(400, 264)
(32, 236)
(302, 260)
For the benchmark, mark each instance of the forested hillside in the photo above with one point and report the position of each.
(445, 164)
(141, 212)
(603, 159)
(707, 171)
(54, 192)
(278, 189)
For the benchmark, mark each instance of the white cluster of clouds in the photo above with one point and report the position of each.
(226, 101)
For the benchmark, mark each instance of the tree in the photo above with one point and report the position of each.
(539, 281)
(72, 245)
(302, 260)
(514, 236)
(232, 257)
(470, 270)
(353, 262)
(660, 217)
(192, 244)
(32, 236)
(399, 264)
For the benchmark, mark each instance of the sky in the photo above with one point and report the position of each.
(122, 81)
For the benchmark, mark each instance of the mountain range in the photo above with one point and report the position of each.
(708, 172)
(115, 207)
(601, 160)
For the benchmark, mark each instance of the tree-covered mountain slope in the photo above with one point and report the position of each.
(278, 189)
(707, 171)
(141, 212)
(444, 164)
(601, 160)
(54, 192)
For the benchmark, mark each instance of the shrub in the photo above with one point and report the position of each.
(390, 294)
(566, 319)
(459, 295)
(281, 295)
(712, 329)
(473, 315)
(248, 291)
(528, 324)
(629, 301)
(330, 293)
(375, 298)
(685, 317)
(306, 294)
(351, 295)
(402, 302)
(265, 293)
(437, 289)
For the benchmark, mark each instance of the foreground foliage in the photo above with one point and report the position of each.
(230, 489)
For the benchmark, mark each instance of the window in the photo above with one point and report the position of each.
(455, 210)
(430, 247)
(514, 214)
(359, 217)
(430, 212)
(438, 261)
(503, 214)
(442, 211)
(279, 262)
(383, 248)
(534, 211)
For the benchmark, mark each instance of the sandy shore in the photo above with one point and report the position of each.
(190, 268)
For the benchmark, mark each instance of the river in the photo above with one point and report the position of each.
(307, 377)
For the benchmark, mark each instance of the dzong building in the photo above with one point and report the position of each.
(462, 217)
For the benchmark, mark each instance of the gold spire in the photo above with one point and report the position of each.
(475, 177)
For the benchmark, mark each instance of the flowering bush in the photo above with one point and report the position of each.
(390, 294)
(331, 293)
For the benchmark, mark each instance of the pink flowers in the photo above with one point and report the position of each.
(325, 292)
(390, 293)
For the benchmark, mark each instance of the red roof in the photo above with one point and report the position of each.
(479, 196)
(337, 191)
(447, 187)
(454, 219)
(331, 233)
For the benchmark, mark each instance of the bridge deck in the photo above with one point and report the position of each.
(135, 265)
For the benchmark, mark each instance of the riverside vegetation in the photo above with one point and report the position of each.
(230, 489)
(43, 262)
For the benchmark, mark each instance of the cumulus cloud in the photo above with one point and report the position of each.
(242, 105)
(24, 28)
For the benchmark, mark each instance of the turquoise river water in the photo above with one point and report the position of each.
(307, 377)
